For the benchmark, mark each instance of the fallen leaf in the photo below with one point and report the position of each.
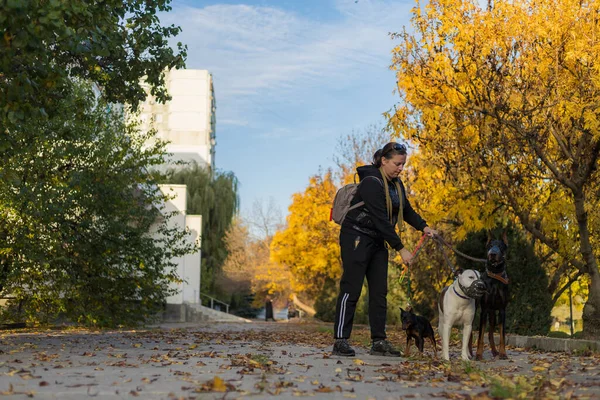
(9, 391)
(219, 385)
(323, 389)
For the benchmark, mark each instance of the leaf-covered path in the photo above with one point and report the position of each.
(264, 360)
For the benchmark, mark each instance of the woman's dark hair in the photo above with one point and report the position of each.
(389, 150)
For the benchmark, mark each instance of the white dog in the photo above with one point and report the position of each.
(457, 306)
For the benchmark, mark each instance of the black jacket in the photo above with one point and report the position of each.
(371, 219)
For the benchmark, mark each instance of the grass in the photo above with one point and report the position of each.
(565, 335)
(558, 334)
(518, 387)
(471, 368)
(325, 329)
(260, 358)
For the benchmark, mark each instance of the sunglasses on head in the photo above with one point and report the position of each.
(396, 146)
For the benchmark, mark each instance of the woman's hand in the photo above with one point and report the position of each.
(429, 232)
(406, 255)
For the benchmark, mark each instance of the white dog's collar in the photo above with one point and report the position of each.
(460, 295)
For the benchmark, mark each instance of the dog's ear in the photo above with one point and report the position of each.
(402, 310)
(458, 271)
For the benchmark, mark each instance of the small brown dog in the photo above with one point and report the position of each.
(416, 327)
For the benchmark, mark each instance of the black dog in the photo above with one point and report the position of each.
(496, 298)
(416, 327)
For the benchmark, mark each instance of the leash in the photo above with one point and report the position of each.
(452, 267)
(406, 270)
(441, 241)
(500, 277)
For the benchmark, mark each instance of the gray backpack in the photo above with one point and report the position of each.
(341, 203)
(343, 199)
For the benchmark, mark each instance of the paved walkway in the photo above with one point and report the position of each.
(266, 360)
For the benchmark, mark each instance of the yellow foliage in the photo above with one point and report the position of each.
(309, 243)
(248, 267)
(503, 103)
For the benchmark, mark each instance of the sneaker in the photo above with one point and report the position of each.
(383, 348)
(341, 347)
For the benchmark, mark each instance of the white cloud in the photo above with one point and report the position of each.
(259, 55)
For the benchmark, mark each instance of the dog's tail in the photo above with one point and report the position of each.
(433, 341)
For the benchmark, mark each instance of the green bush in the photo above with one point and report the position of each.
(325, 302)
(327, 298)
(241, 305)
(558, 334)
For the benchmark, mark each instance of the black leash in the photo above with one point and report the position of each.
(441, 240)
(406, 269)
(452, 268)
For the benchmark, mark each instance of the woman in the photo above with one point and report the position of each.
(269, 309)
(362, 240)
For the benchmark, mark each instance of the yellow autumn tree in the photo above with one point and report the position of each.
(309, 243)
(504, 102)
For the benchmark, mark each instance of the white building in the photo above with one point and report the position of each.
(188, 120)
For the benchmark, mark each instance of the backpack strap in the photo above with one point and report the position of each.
(354, 207)
(401, 209)
(357, 205)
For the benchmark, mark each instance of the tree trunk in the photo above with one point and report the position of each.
(307, 309)
(591, 310)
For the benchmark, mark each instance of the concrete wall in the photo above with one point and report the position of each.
(191, 262)
(188, 267)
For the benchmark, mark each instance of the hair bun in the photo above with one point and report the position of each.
(377, 158)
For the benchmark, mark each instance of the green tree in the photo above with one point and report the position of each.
(112, 43)
(80, 221)
(214, 195)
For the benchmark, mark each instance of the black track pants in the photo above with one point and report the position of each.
(362, 256)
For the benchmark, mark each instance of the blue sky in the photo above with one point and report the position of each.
(291, 77)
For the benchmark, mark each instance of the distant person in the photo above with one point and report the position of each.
(269, 309)
(292, 311)
(363, 234)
